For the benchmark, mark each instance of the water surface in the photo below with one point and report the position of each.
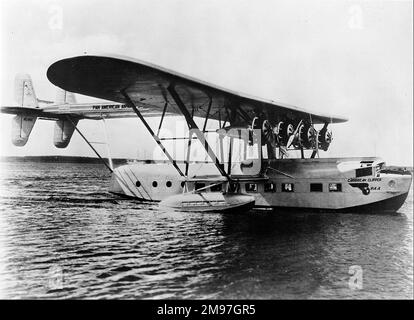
(63, 236)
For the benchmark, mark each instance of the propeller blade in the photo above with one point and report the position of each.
(290, 141)
(294, 135)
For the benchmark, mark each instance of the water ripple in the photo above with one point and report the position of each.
(63, 236)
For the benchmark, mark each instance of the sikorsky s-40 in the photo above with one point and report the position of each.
(262, 133)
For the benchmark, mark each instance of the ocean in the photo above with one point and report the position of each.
(63, 236)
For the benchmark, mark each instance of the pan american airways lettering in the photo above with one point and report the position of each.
(110, 106)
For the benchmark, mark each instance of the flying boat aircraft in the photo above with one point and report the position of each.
(263, 132)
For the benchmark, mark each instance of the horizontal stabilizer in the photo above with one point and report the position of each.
(22, 126)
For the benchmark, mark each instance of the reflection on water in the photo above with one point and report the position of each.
(63, 236)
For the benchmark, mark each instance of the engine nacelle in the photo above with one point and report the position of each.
(22, 126)
(307, 135)
(324, 138)
(284, 130)
(267, 133)
(63, 132)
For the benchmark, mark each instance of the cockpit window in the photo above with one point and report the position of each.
(363, 172)
(378, 168)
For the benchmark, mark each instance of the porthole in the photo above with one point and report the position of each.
(168, 184)
(251, 187)
(199, 185)
(138, 184)
(234, 187)
(154, 184)
(216, 188)
(316, 187)
(335, 187)
(269, 187)
(287, 187)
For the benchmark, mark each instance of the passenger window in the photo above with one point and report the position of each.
(168, 184)
(251, 187)
(199, 185)
(269, 187)
(287, 187)
(216, 188)
(154, 184)
(234, 187)
(335, 187)
(316, 187)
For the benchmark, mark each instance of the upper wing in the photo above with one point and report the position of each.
(146, 84)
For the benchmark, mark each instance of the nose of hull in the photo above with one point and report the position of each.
(389, 205)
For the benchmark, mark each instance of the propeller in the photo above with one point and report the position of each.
(251, 132)
(290, 141)
(307, 135)
(267, 132)
(312, 137)
(294, 137)
(284, 130)
(268, 135)
(324, 137)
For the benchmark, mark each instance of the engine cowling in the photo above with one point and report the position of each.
(268, 136)
(307, 135)
(284, 130)
(324, 138)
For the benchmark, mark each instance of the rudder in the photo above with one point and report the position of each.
(24, 91)
(64, 97)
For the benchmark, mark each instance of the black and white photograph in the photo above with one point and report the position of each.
(231, 150)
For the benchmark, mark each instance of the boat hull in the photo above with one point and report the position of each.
(378, 193)
(390, 205)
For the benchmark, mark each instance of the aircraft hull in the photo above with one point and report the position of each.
(312, 181)
(389, 205)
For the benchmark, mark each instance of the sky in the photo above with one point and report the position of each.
(347, 58)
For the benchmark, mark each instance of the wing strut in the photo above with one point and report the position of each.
(162, 118)
(208, 114)
(192, 125)
(89, 144)
(190, 139)
(156, 138)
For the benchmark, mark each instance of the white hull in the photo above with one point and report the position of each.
(380, 191)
